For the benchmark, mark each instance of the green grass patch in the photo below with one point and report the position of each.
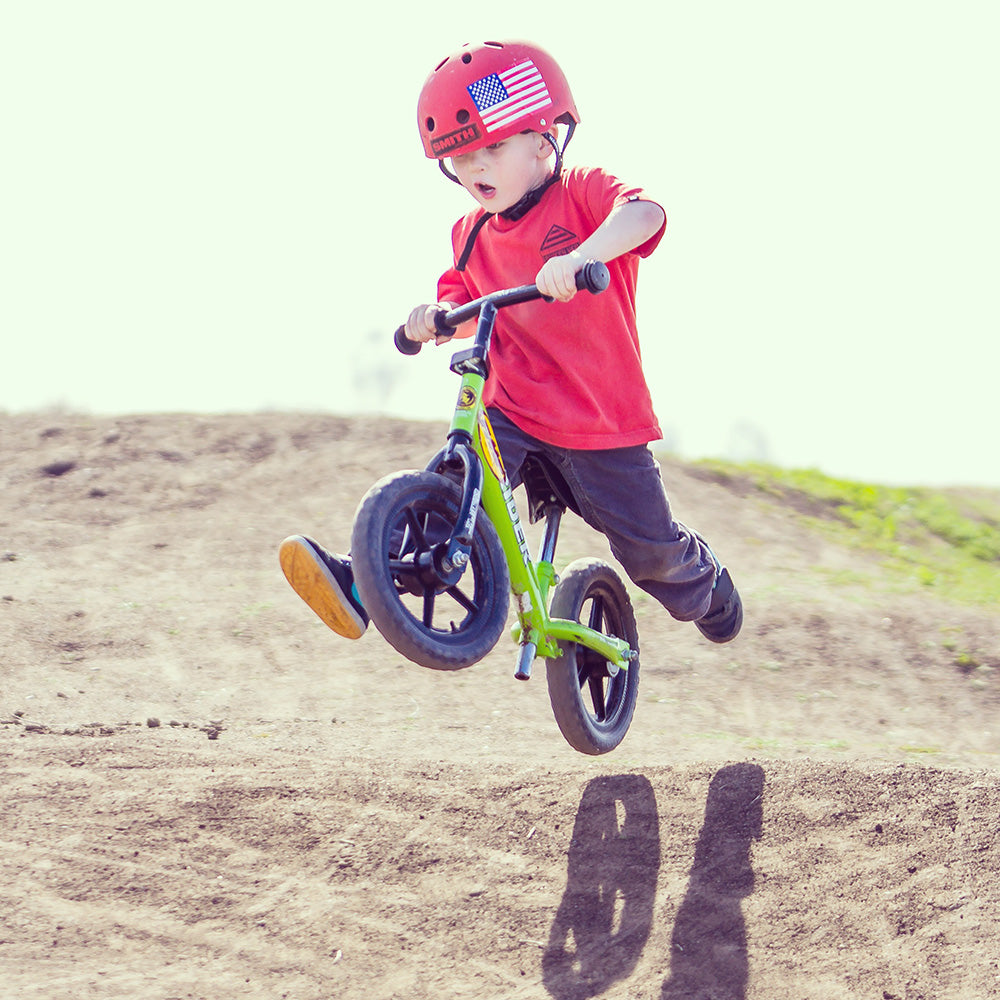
(946, 540)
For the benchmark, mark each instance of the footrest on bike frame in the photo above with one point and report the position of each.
(524, 661)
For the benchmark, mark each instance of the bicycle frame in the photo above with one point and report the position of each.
(472, 447)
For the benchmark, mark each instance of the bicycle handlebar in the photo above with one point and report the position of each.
(593, 277)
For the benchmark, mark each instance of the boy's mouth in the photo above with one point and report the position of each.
(486, 190)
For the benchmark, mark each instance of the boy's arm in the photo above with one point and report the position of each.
(626, 227)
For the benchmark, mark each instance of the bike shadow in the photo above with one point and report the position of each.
(708, 947)
(606, 913)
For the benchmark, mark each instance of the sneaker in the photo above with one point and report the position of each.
(325, 582)
(724, 618)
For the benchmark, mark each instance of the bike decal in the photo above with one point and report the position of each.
(491, 455)
(466, 398)
(515, 521)
(470, 521)
(489, 447)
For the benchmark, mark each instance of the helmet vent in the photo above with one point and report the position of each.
(430, 124)
(466, 58)
(462, 116)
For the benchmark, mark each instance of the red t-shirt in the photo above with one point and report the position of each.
(568, 373)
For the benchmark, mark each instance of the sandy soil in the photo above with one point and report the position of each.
(206, 794)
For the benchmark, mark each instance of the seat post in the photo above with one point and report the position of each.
(553, 516)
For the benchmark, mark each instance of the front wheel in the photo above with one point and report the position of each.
(398, 525)
(592, 702)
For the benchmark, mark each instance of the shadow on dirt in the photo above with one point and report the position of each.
(606, 914)
(708, 948)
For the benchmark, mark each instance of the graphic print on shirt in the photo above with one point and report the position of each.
(558, 240)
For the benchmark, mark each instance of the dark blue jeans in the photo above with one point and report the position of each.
(620, 493)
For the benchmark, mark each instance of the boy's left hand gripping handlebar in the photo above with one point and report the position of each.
(593, 277)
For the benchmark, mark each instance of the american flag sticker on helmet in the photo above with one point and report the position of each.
(505, 97)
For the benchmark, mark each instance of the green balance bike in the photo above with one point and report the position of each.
(437, 554)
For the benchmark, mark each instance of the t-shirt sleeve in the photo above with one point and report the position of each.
(451, 288)
(604, 193)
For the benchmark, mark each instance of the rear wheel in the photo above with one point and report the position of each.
(592, 700)
(395, 553)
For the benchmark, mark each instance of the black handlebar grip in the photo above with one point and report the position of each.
(593, 277)
(443, 329)
(406, 346)
(403, 343)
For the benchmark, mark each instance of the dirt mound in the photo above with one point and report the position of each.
(207, 794)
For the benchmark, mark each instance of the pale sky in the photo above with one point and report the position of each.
(224, 206)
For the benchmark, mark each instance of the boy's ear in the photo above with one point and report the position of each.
(545, 149)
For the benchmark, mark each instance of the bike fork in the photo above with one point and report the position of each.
(455, 550)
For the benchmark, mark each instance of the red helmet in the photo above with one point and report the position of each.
(486, 92)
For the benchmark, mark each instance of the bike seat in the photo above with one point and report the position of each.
(545, 485)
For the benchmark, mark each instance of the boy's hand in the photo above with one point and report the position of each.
(626, 227)
(557, 278)
(420, 324)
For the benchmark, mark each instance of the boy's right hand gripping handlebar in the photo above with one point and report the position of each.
(592, 277)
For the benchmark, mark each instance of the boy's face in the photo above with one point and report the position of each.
(500, 175)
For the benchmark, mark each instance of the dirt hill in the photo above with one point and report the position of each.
(209, 795)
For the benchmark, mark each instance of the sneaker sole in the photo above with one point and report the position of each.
(317, 586)
(737, 612)
(730, 635)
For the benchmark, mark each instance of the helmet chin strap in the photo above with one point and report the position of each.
(443, 166)
(532, 197)
(519, 208)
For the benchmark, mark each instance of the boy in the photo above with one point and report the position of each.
(495, 110)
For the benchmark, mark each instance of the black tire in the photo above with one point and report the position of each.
(397, 523)
(592, 707)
